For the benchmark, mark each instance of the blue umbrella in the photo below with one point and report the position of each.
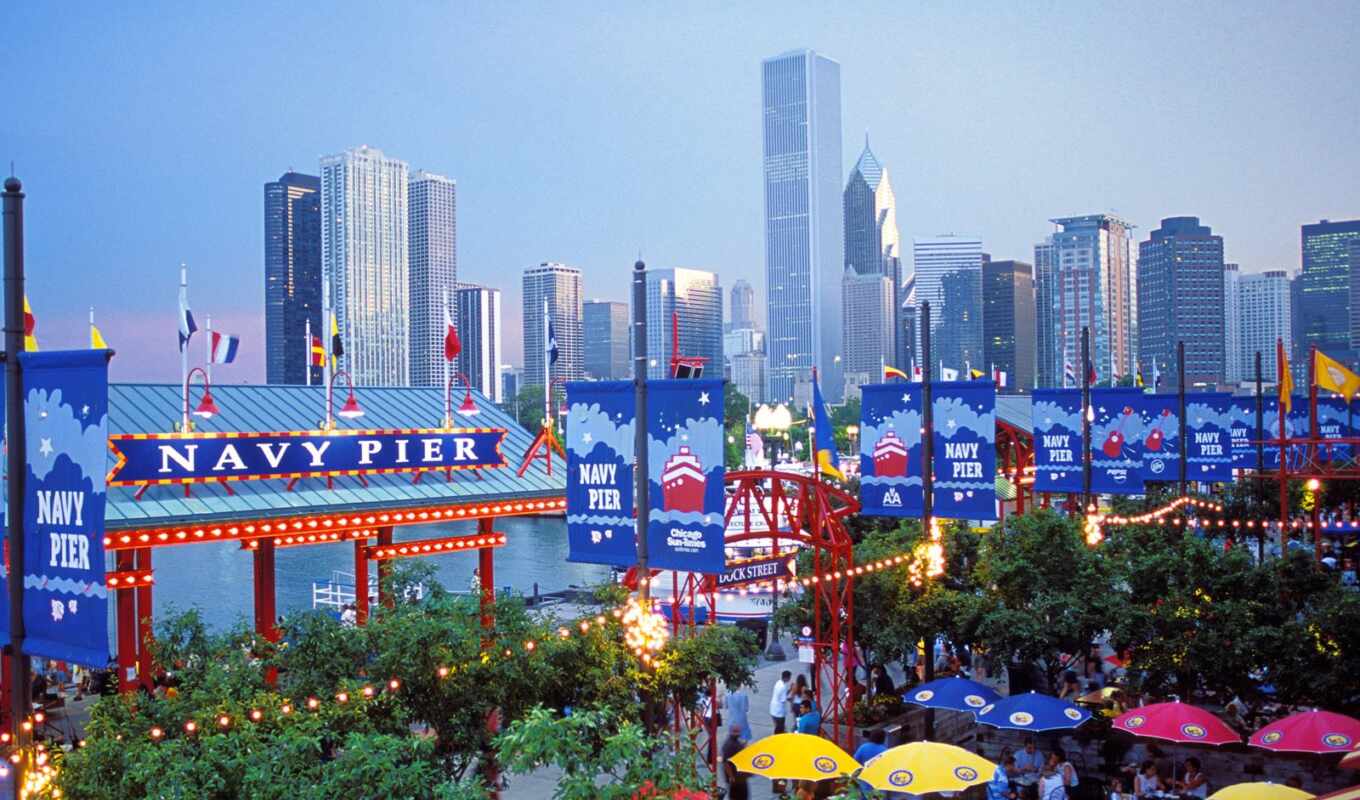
(954, 694)
(1032, 712)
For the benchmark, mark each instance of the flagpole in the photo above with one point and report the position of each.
(91, 327)
(184, 348)
(547, 366)
(448, 389)
(307, 362)
(1180, 382)
(1086, 420)
(207, 341)
(1312, 445)
(326, 355)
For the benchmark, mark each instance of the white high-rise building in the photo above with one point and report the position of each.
(560, 285)
(1266, 309)
(364, 262)
(434, 271)
(695, 298)
(1235, 369)
(948, 272)
(870, 326)
(479, 329)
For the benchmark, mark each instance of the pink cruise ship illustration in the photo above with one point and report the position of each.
(682, 483)
(890, 456)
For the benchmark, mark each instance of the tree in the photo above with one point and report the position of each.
(736, 412)
(529, 407)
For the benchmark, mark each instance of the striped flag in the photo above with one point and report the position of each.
(223, 350)
(1069, 374)
(893, 372)
(755, 446)
(318, 357)
(337, 348)
(187, 326)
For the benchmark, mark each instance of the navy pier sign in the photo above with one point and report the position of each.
(176, 458)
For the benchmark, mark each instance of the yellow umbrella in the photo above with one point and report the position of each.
(1261, 790)
(795, 757)
(1344, 794)
(925, 767)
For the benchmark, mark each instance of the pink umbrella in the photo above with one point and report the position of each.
(1309, 732)
(1177, 722)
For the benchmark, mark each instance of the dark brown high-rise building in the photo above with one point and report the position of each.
(1008, 322)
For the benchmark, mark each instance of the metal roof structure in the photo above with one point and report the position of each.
(1017, 411)
(154, 408)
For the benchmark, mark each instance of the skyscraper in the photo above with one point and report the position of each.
(870, 325)
(742, 309)
(1180, 297)
(908, 354)
(1008, 322)
(606, 328)
(801, 98)
(948, 275)
(560, 285)
(479, 329)
(433, 207)
(1235, 370)
(1265, 304)
(1325, 310)
(695, 297)
(292, 276)
(365, 266)
(1083, 277)
(872, 270)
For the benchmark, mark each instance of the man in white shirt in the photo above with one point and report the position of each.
(779, 700)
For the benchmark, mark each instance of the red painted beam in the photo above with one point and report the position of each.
(429, 547)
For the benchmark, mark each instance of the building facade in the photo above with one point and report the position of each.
(1325, 309)
(695, 298)
(870, 326)
(433, 211)
(1008, 322)
(747, 373)
(1235, 370)
(1180, 297)
(1265, 307)
(1084, 277)
(741, 312)
(479, 330)
(606, 344)
(907, 327)
(560, 286)
(292, 277)
(365, 262)
(872, 251)
(948, 275)
(801, 100)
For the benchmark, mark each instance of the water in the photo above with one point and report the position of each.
(217, 578)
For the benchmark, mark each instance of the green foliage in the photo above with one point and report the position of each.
(736, 411)
(528, 407)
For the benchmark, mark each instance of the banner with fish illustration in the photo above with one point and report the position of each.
(1057, 440)
(890, 450)
(66, 603)
(1208, 426)
(1116, 441)
(601, 528)
(964, 450)
(1161, 437)
(685, 463)
(1334, 422)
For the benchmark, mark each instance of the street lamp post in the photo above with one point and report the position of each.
(350, 410)
(777, 421)
(206, 408)
(468, 408)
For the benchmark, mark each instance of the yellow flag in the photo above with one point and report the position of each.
(97, 339)
(1330, 374)
(30, 328)
(1284, 379)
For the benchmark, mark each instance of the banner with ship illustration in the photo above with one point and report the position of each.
(890, 450)
(1161, 437)
(1116, 441)
(601, 528)
(1057, 440)
(964, 449)
(685, 527)
(1208, 427)
(66, 401)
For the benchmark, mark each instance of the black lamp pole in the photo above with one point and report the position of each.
(20, 691)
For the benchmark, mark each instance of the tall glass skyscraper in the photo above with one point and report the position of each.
(801, 107)
(1265, 301)
(1008, 322)
(479, 330)
(560, 285)
(948, 271)
(364, 257)
(872, 251)
(292, 276)
(433, 228)
(1326, 306)
(1180, 299)
(695, 297)
(606, 326)
(742, 310)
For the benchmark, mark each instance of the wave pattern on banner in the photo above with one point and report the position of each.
(65, 586)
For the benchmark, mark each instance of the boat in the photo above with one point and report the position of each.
(683, 483)
(890, 456)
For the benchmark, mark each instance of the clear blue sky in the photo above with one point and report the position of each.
(585, 132)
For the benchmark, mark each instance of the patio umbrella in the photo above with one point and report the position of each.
(925, 767)
(1309, 732)
(1353, 793)
(1351, 760)
(952, 694)
(1032, 712)
(1176, 722)
(795, 757)
(1261, 790)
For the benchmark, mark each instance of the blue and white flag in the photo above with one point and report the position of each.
(1116, 442)
(66, 400)
(601, 528)
(1057, 440)
(187, 326)
(685, 528)
(964, 450)
(1161, 437)
(890, 450)
(1208, 426)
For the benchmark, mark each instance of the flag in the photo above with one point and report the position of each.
(1090, 372)
(318, 357)
(1156, 376)
(30, 326)
(893, 372)
(552, 343)
(823, 437)
(916, 375)
(97, 339)
(755, 446)
(999, 377)
(948, 374)
(187, 326)
(452, 346)
(337, 348)
(1069, 374)
(976, 374)
(1330, 374)
(224, 347)
(1284, 379)
(1138, 377)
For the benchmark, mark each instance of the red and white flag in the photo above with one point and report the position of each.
(224, 347)
(452, 346)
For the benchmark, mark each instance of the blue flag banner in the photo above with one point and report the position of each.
(686, 528)
(601, 528)
(1300, 427)
(890, 450)
(66, 401)
(1057, 440)
(1116, 442)
(1333, 423)
(964, 450)
(1242, 418)
(1161, 437)
(1208, 425)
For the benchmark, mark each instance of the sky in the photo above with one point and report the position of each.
(587, 133)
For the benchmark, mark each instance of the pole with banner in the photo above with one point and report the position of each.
(307, 358)
(14, 432)
(1086, 419)
(1260, 460)
(1312, 450)
(927, 483)
(1180, 401)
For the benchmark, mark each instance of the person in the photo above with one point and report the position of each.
(1237, 713)
(350, 616)
(800, 686)
(1195, 784)
(883, 682)
(1115, 789)
(999, 787)
(1028, 761)
(1065, 769)
(1146, 782)
(807, 790)
(1071, 690)
(1051, 783)
(779, 699)
(1161, 761)
(872, 745)
(809, 719)
(739, 710)
(475, 582)
(737, 786)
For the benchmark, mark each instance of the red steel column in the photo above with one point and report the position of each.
(384, 567)
(145, 619)
(361, 581)
(486, 571)
(266, 607)
(127, 629)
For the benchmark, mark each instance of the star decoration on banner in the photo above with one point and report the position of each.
(1048, 420)
(85, 410)
(703, 398)
(906, 398)
(586, 437)
(46, 447)
(950, 423)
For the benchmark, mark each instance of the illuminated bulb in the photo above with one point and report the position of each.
(394, 684)
(342, 697)
(443, 672)
(224, 721)
(287, 708)
(256, 715)
(156, 733)
(190, 726)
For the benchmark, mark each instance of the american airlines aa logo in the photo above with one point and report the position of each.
(891, 497)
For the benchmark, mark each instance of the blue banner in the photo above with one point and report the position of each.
(601, 527)
(1161, 437)
(1208, 426)
(1242, 418)
(685, 529)
(890, 450)
(1057, 440)
(66, 400)
(1333, 423)
(1300, 427)
(964, 449)
(1116, 441)
(161, 458)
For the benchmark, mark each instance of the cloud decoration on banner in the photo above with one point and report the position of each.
(601, 528)
(1057, 440)
(1333, 423)
(686, 527)
(1243, 432)
(964, 418)
(1208, 425)
(890, 450)
(1116, 442)
(1161, 437)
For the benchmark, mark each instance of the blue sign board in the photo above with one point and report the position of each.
(1208, 426)
(964, 420)
(1161, 437)
(1057, 440)
(1243, 431)
(890, 450)
(601, 526)
(685, 528)
(172, 458)
(1333, 423)
(1116, 441)
(66, 400)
